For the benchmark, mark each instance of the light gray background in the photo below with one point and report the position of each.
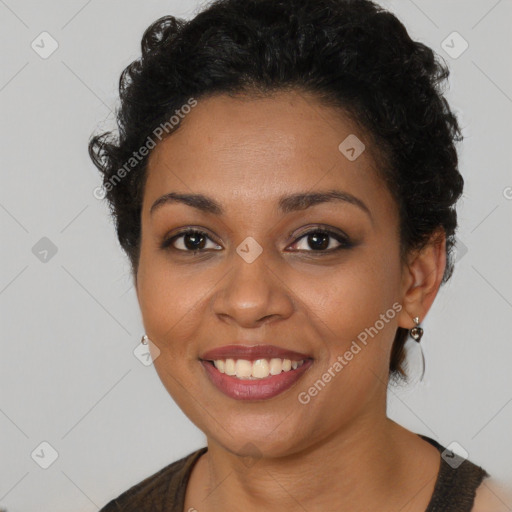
(69, 325)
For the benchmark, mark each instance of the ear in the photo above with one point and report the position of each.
(422, 276)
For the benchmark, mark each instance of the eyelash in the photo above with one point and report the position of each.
(344, 241)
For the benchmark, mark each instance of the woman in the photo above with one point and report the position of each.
(284, 183)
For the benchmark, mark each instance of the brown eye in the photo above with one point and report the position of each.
(322, 241)
(190, 241)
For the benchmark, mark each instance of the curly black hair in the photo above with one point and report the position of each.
(351, 54)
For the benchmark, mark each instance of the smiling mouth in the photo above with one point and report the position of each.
(260, 379)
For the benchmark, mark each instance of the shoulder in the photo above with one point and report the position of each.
(462, 483)
(156, 490)
(493, 495)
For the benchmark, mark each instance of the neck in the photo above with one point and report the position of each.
(357, 468)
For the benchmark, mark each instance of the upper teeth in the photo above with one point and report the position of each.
(259, 369)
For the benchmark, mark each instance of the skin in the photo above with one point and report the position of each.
(493, 495)
(340, 451)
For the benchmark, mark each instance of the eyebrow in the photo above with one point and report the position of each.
(286, 204)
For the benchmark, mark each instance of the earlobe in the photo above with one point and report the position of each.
(422, 279)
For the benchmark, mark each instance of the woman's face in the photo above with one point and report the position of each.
(258, 278)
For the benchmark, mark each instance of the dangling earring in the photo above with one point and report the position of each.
(144, 340)
(416, 332)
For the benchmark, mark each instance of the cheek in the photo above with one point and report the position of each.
(352, 297)
(170, 303)
(167, 301)
(175, 304)
(355, 313)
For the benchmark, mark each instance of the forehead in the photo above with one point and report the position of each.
(261, 148)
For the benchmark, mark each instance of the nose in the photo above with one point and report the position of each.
(252, 294)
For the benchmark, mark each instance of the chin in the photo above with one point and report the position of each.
(258, 436)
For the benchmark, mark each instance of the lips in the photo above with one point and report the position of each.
(228, 368)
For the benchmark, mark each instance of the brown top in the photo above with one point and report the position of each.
(456, 484)
(164, 491)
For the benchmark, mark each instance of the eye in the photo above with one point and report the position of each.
(322, 240)
(191, 240)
